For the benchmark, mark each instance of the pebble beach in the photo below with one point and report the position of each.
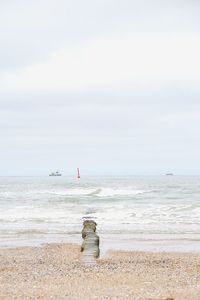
(58, 271)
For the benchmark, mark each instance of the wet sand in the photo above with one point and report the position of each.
(57, 271)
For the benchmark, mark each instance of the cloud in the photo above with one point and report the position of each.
(111, 86)
(32, 31)
(142, 60)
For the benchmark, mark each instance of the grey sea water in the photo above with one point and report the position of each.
(141, 212)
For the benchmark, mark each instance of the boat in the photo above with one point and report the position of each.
(169, 174)
(57, 173)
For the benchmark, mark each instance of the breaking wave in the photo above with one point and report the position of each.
(100, 192)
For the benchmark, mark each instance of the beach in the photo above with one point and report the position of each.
(148, 229)
(58, 271)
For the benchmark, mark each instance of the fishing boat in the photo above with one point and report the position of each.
(57, 173)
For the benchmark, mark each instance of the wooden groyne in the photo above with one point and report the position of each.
(90, 245)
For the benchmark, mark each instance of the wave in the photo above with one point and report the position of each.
(73, 192)
(100, 192)
(107, 192)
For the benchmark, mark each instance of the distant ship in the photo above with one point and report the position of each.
(55, 174)
(169, 174)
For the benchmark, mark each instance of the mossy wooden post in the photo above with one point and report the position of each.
(90, 245)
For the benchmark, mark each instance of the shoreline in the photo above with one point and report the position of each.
(57, 271)
(126, 242)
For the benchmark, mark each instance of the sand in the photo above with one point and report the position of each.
(58, 272)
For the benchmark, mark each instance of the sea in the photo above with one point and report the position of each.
(144, 213)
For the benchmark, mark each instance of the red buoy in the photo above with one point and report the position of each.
(78, 173)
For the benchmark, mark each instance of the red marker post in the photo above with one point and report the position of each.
(78, 173)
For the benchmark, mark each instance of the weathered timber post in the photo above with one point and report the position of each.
(90, 245)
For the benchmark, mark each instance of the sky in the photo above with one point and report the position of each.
(110, 86)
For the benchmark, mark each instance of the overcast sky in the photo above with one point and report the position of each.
(111, 86)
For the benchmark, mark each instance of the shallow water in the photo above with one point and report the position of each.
(132, 212)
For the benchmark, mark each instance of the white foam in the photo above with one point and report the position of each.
(101, 192)
(108, 192)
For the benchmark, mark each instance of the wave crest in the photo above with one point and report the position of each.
(100, 192)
